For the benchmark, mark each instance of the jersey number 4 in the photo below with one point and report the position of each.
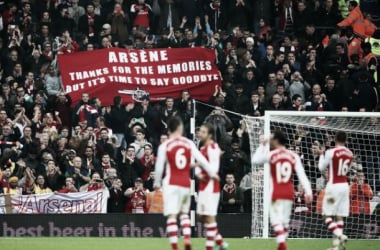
(343, 167)
(283, 172)
(180, 158)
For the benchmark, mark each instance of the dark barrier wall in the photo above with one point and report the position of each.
(122, 225)
(109, 225)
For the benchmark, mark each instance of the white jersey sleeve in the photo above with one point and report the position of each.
(261, 155)
(160, 165)
(302, 176)
(325, 160)
(213, 154)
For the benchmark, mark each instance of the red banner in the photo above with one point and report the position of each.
(133, 74)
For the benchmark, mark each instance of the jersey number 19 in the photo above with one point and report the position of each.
(283, 172)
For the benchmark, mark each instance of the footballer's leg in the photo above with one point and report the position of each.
(211, 231)
(276, 213)
(288, 205)
(343, 211)
(329, 212)
(343, 238)
(186, 230)
(172, 231)
(171, 210)
(185, 218)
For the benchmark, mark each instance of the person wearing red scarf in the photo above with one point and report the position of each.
(232, 196)
(90, 23)
(142, 13)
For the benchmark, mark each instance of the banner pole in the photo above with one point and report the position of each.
(193, 192)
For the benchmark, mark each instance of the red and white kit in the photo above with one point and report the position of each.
(209, 188)
(283, 163)
(175, 157)
(337, 197)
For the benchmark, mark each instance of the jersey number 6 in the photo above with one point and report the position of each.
(180, 158)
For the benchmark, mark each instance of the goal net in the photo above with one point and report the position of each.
(306, 131)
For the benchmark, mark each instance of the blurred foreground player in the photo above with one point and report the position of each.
(209, 189)
(283, 163)
(175, 157)
(336, 201)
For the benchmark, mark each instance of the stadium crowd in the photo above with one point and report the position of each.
(273, 55)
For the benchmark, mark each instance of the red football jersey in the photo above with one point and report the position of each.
(174, 157)
(339, 161)
(212, 154)
(178, 155)
(282, 166)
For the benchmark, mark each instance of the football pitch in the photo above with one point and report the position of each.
(162, 244)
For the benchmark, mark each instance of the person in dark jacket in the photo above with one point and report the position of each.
(116, 200)
(232, 196)
(89, 24)
(130, 167)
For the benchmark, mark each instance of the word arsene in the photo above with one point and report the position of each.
(140, 56)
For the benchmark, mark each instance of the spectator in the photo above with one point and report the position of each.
(298, 86)
(232, 196)
(276, 103)
(78, 174)
(141, 14)
(40, 186)
(12, 187)
(119, 22)
(130, 167)
(95, 184)
(84, 111)
(360, 193)
(54, 178)
(255, 108)
(69, 186)
(107, 163)
(75, 11)
(139, 143)
(63, 21)
(109, 176)
(52, 82)
(148, 161)
(90, 23)
(116, 201)
(136, 203)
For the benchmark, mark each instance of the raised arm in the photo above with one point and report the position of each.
(324, 160)
(261, 155)
(302, 177)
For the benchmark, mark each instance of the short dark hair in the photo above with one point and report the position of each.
(254, 93)
(341, 136)
(210, 128)
(279, 136)
(353, 3)
(173, 123)
(296, 96)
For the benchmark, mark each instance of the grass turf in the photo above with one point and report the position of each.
(159, 243)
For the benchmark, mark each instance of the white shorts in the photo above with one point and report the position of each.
(337, 200)
(176, 200)
(280, 211)
(208, 203)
